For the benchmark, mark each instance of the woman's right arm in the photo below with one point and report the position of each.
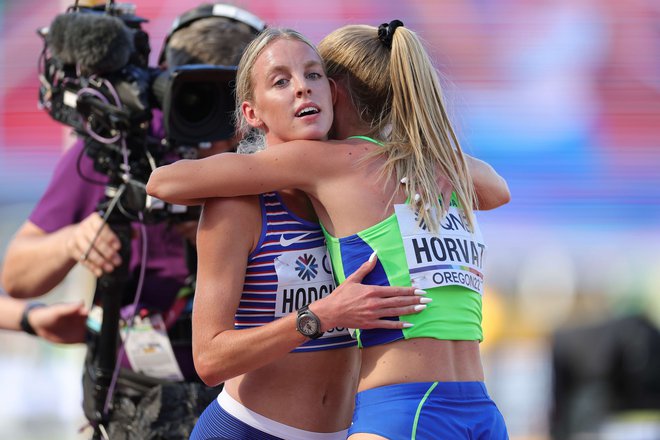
(227, 233)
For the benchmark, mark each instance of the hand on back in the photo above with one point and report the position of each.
(356, 305)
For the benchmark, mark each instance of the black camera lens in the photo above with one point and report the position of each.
(198, 103)
(195, 102)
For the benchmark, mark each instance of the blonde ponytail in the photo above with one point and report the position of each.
(422, 142)
(396, 92)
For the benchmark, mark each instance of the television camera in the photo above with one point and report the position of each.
(94, 77)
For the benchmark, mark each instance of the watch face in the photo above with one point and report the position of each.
(308, 325)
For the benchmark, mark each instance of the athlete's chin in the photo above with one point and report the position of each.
(312, 133)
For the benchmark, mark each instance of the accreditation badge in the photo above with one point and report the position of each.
(453, 256)
(148, 348)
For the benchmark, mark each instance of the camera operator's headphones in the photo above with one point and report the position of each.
(212, 10)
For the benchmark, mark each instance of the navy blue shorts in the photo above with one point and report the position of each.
(429, 411)
(217, 424)
(227, 419)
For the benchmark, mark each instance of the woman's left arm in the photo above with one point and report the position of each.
(491, 188)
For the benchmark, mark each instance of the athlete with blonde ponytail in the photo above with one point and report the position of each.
(397, 186)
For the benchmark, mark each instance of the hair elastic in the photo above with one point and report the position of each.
(386, 32)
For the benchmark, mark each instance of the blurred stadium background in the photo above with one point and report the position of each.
(562, 97)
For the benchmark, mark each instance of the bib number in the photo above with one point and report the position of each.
(302, 278)
(454, 256)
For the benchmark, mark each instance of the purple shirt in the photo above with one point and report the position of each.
(69, 199)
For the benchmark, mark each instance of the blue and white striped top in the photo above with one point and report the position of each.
(289, 268)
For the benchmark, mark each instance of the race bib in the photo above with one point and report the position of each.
(454, 256)
(302, 278)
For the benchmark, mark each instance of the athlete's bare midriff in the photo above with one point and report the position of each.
(420, 360)
(310, 391)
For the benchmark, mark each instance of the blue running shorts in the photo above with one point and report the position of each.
(429, 411)
(227, 419)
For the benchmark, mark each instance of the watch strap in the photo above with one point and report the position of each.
(25, 323)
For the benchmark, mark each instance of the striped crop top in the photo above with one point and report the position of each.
(288, 269)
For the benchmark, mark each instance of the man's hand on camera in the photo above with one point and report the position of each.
(100, 257)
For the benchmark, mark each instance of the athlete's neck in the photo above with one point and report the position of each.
(298, 202)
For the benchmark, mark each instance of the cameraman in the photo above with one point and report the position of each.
(64, 229)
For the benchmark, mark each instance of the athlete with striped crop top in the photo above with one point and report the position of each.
(262, 260)
(406, 192)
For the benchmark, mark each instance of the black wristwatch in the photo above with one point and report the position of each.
(308, 324)
(25, 324)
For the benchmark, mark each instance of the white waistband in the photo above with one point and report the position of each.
(257, 421)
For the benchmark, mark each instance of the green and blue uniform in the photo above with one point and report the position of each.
(455, 312)
(449, 266)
